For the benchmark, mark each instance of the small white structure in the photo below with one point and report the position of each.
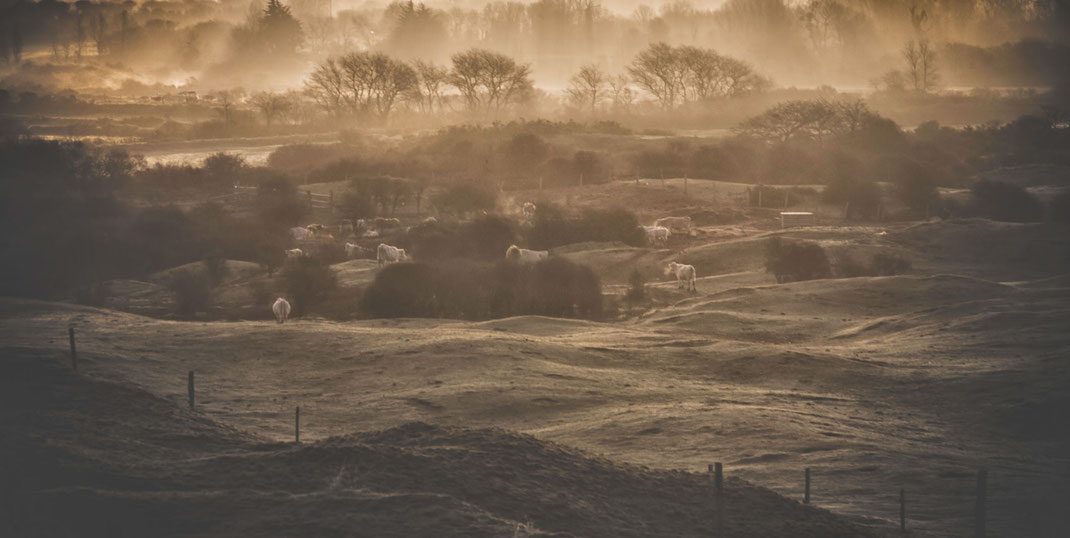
(796, 218)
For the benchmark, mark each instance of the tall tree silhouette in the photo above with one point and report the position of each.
(280, 32)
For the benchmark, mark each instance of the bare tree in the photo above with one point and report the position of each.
(98, 29)
(794, 120)
(929, 72)
(659, 71)
(360, 83)
(489, 81)
(431, 80)
(588, 88)
(271, 105)
(623, 96)
(920, 57)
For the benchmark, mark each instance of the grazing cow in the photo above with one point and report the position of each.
(294, 253)
(523, 255)
(300, 234)
(388, 254)
(684, 273)
(281, 308)
(430, 220)
(657, 234)
(316, 228)
(528, 209)
(355, 251)
(674, 223)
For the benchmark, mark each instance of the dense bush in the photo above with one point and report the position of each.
(553, 227)
(1004, 201)
(485, 238)
(468, 289)
(308, 281)
(466, 198)
(791, 261)
(192, 292)
(401, 290)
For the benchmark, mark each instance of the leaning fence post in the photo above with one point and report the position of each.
(902, 510)
(297, 425)
(806, 496)
(982, 486)
(189, 388)
(74, 352)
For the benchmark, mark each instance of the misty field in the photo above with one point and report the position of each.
(794, 268)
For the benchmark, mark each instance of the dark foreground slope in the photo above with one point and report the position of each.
(82, 457)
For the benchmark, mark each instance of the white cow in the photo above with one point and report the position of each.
(674, 223)
(354, 251)
(388, 254)
(294, 253)
(301, 233)
(523, 255)
(684, 273)
(657, 234)
(528, 209)
(281, 308)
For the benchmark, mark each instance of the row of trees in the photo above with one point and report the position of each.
(372, 83)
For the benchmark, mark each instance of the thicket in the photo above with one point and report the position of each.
(66, 226)
(470, 289)
(792, 261)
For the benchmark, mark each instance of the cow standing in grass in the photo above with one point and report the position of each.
(281, 309)
(657, 234)
(684, 273)
(523, 255)
(389, 254)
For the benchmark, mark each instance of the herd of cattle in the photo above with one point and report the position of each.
(657, 234)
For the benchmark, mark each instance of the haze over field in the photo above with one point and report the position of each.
(467, 268)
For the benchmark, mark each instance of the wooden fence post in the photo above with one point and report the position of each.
(982, 486)
(806, 496)
(685, 185)
(760, 189)
(297, 425)
(309, 194)
(902, 510)
(74, 352)
(718, 488)
(581, 180)
(189, 388)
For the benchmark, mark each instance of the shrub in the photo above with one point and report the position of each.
(553, 228)
(485, 238)
(401, 290)
(796, 260)
(466, 198)
(308, 281)
(192, 291)
(1006, 202)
